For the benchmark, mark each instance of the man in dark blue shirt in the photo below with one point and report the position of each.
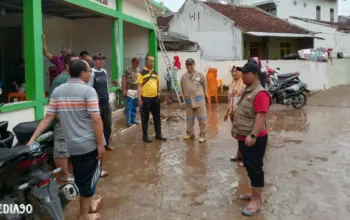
(99, 80)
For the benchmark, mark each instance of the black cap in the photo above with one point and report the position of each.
(190, 60)
(99, 56)
(249, 67)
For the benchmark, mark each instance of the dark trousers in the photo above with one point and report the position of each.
(253, 160)
(151, 105)
(106, 116)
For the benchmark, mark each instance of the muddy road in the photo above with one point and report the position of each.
(307, 168)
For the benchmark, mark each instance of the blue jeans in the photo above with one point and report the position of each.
(131, 108)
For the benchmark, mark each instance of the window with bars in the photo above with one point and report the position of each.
(284, 49)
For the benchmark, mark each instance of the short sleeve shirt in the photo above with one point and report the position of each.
(59, 63)
(150, 88)
(73, 102)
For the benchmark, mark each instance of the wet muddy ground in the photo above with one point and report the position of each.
(307, 168)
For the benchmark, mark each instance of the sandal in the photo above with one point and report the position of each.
(247, 197)
(248, 212)
(235, 159)
(93, 216)
(103, 173)
(67, 180)
(96, 204)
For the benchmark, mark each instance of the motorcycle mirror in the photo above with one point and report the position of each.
(278, 68)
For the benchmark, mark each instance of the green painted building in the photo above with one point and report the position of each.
(120, 28)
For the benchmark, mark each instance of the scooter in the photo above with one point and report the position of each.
(24, 178)
(25, 181)
(273, 78)
(293, 95)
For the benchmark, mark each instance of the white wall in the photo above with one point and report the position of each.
(94, 35)
(110, 3)
(317, 75)
(136, 42)
(216, 34)
(339, 41)
(17, 117)
(286, 8)
(136, 10)
(183, 57)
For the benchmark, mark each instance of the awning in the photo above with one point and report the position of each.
(268, 34)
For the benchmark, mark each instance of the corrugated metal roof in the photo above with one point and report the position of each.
(271, 34)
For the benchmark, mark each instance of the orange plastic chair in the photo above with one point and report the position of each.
(212, 87)
(20, 96)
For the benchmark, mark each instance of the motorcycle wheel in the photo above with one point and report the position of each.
(303, 98)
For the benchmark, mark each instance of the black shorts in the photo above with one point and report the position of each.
(86, 171)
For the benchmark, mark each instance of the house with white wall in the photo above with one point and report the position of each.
(323, 10)
(319, 16)
(226, 32)
(121, 29)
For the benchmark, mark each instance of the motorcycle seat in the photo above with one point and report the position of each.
(25, 130)
(286, 75)
(10, 153)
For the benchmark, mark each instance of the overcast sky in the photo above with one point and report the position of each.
(174, 5)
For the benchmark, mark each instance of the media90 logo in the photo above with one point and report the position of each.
(16, 209)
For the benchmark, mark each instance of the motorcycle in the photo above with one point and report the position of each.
(293, 95)
(273, 78)
(24, 178)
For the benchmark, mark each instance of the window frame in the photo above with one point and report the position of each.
(318, 13)
(331, 14)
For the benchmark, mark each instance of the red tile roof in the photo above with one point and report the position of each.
(164, 21)
(251, 19)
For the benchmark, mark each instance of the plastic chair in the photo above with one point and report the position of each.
(20, 96)
(212, 87)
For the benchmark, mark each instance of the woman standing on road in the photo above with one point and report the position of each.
(234, 93)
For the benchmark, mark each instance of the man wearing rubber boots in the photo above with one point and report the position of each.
(129, 88)
(249, 129)
(149, 100)
(194, 89)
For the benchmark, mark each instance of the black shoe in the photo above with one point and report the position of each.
(161, 138)
(147, 139)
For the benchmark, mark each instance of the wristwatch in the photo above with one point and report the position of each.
(253, 136)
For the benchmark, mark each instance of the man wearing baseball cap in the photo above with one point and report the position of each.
(249, 129)
(99, 80)
(193, 87)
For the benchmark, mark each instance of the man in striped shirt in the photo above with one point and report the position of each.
(76, 106)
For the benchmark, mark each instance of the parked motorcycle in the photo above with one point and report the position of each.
(24, 178)
(293, 95)
(274, 78)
